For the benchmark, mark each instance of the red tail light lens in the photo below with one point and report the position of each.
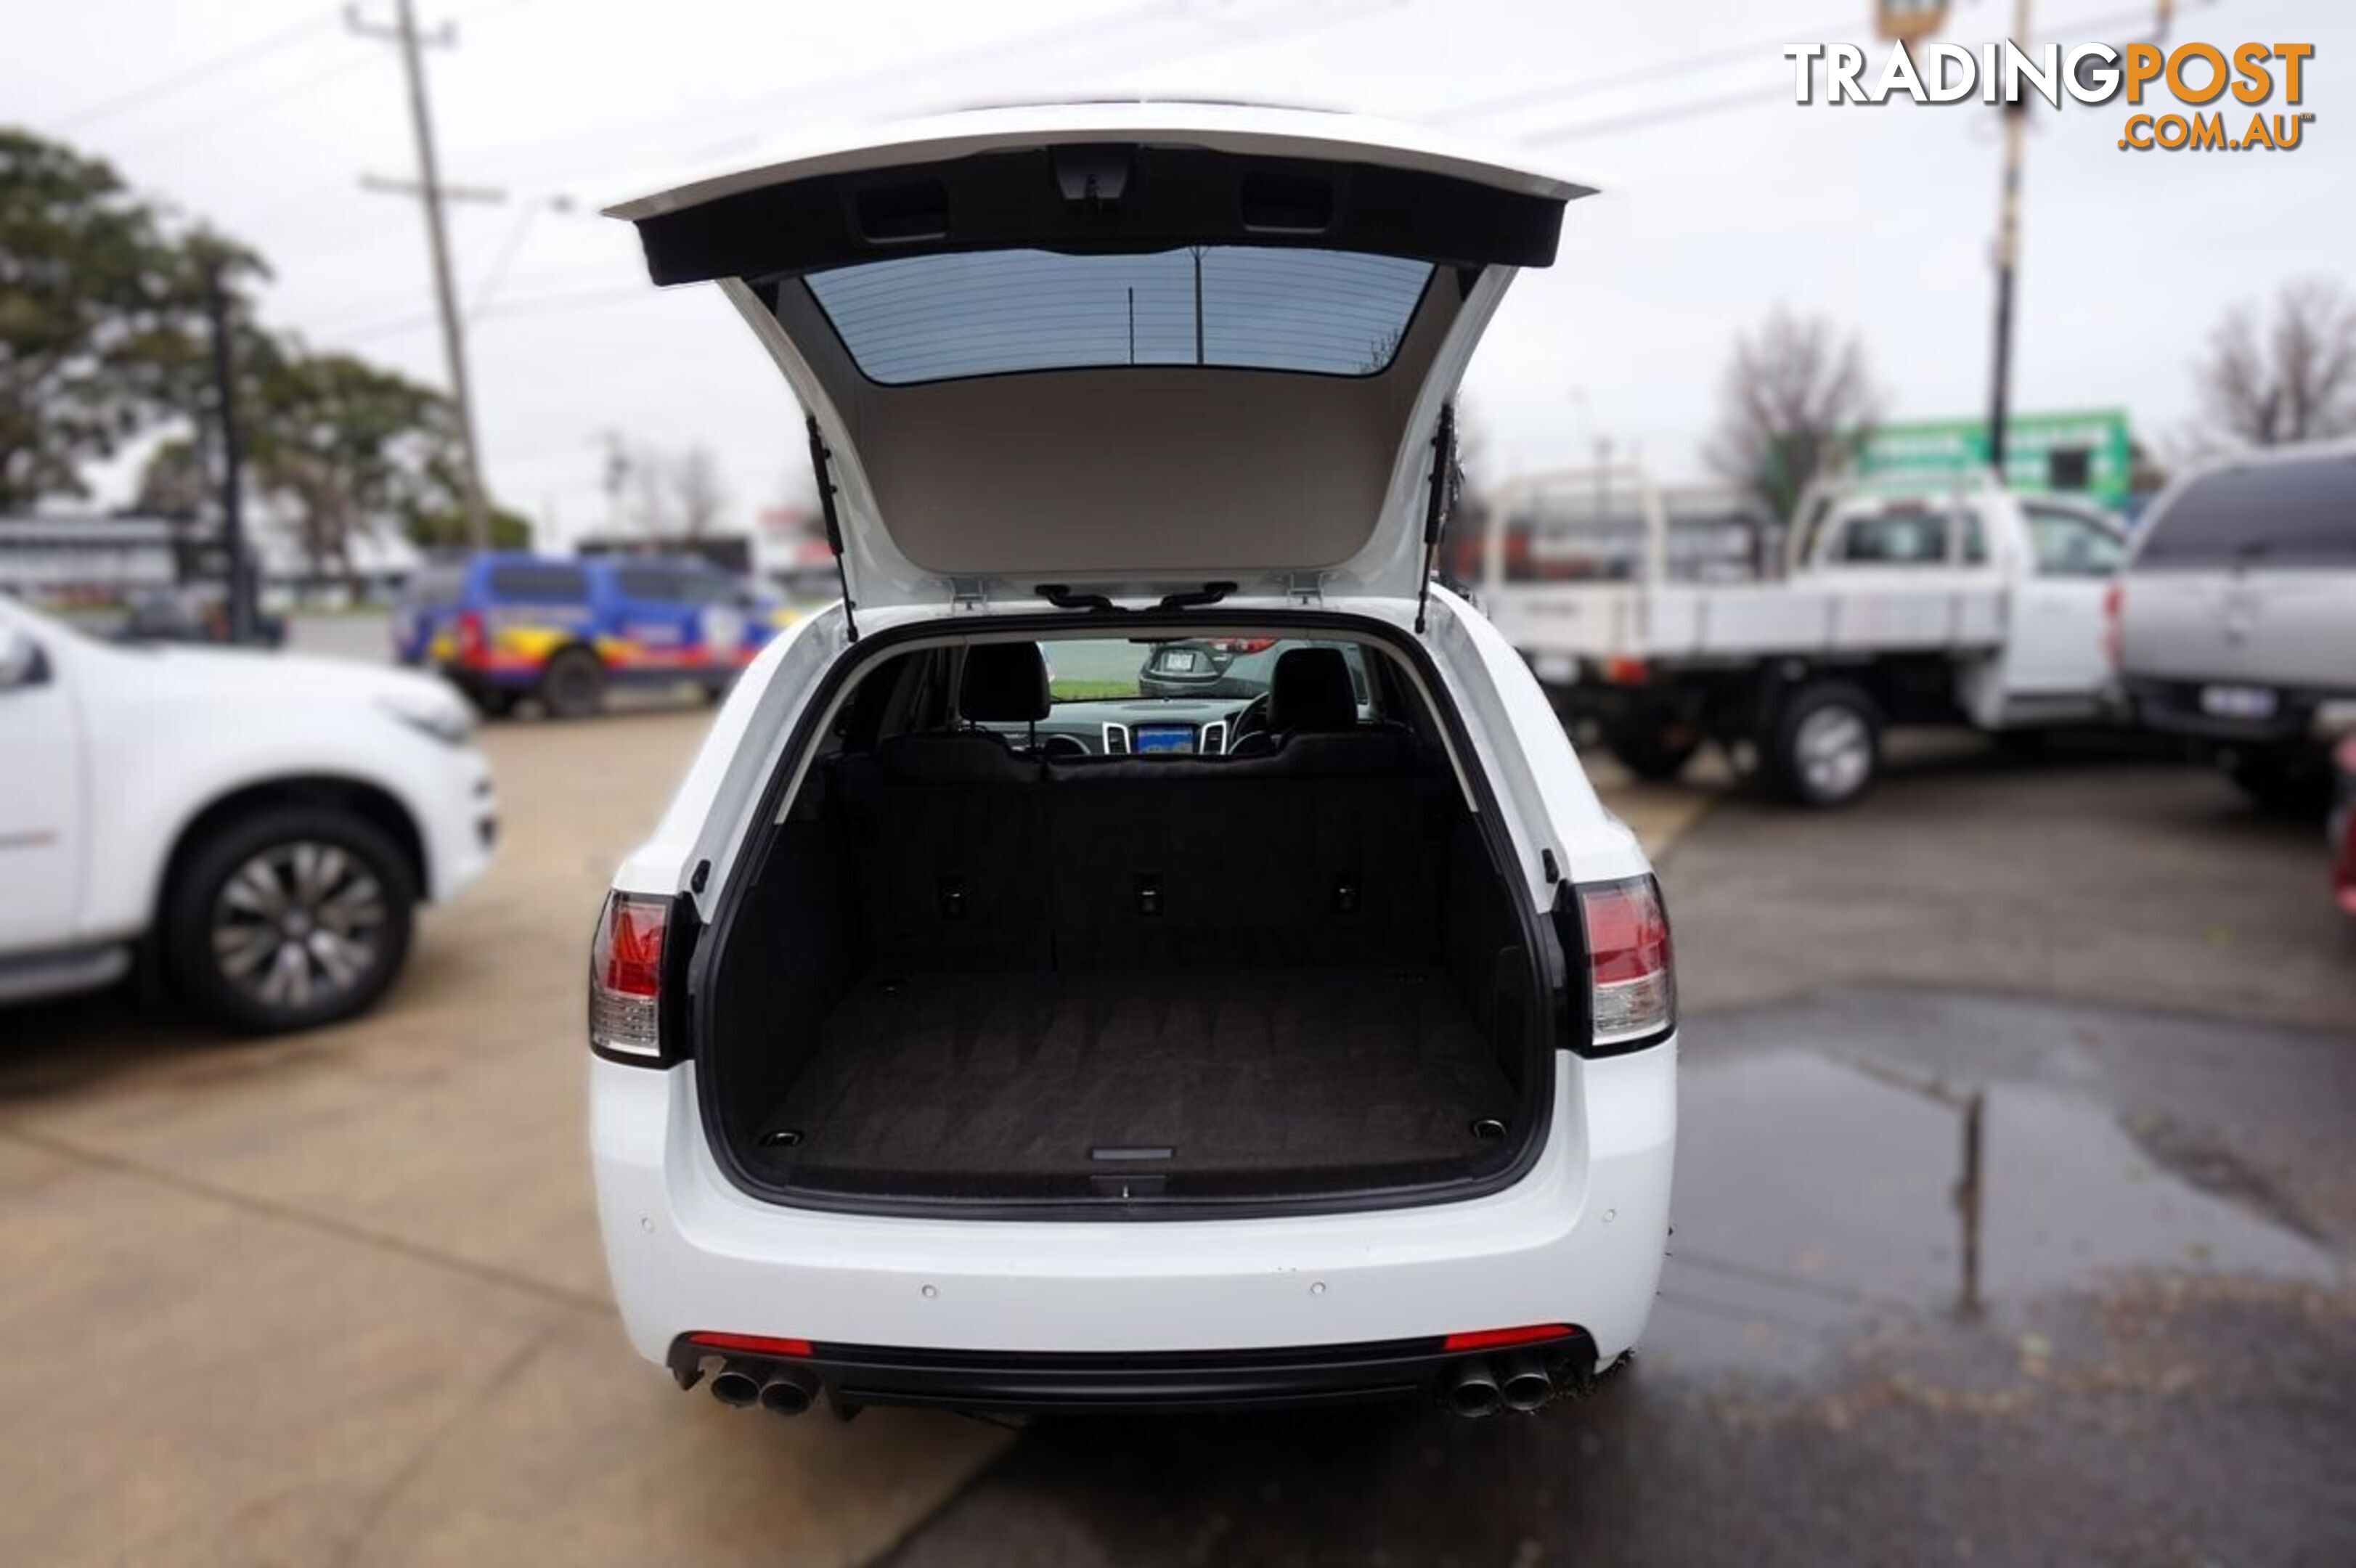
(1632, 971)
(1497, 1339)
(2115, 605)
(1243, 644)
(472, 649)
(625, 976)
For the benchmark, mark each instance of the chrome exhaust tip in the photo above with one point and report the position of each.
(1525, 1385)
(736, 1387)
(787, 1393)
(1473, 1392)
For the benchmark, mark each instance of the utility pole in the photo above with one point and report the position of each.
(2008, 256)
(429, 188)
(2008, 235)
(232, 455)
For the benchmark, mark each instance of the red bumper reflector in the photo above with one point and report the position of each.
(1494, 1339)
(755, 1344)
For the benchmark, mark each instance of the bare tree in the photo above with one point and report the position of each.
(1796, 394)
(2293, 379)
(698, 494)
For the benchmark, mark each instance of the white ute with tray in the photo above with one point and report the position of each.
(1899, 602)
(952, 1050)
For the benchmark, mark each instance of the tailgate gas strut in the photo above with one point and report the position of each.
(1435, 504)
(820, 460)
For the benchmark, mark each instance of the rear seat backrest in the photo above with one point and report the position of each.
(971, 856)
(949, 846)
(1324, 851)
(945, 831)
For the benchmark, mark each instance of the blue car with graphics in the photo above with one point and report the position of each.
(504, 626)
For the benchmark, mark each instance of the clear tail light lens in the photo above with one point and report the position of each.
(625, 965)
(1631, 972)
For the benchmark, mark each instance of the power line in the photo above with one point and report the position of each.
(1700, 108)
(1634, 75)
(419, 320)
(725, 120)
(1692, 109)
(220, 65)
(301, 86)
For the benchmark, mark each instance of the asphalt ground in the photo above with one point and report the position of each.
(338, 1298)
(2154, 1358)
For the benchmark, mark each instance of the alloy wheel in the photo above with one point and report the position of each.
(298, 923)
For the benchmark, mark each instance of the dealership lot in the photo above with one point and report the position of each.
(338, 1297)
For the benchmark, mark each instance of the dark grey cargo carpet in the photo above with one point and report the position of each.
(1020, 1082)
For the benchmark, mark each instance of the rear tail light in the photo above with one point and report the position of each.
(2115, 605)
(1632, 973)
(625, 965)
(1243, 644)
(2343, 827)
(471, 645)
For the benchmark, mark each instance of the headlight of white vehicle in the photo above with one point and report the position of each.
(449, 720)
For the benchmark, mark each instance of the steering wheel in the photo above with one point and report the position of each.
(1251, 719)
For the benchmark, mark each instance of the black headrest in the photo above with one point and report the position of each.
(1310, 691)
(1005, 683)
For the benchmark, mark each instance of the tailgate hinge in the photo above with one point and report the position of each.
(969, 595)
(1306, 589)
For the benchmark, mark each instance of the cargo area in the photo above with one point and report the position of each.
(974, 970)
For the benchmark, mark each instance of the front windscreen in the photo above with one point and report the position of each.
(987, 313)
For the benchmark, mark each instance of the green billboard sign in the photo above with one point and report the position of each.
(2083, 453)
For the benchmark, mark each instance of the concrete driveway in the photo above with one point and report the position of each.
(338, 1298)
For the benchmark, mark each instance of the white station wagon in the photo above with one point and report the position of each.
(1148, 947)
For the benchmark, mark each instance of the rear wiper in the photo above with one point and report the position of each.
(1063, 597)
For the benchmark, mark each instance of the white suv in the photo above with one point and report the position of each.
(2235, 622)
(259, 825)
(1259, 1008)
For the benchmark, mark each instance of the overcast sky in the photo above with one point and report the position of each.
(1878, 216)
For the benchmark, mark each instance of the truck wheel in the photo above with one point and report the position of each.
(573, 684)
(1656, 751)
(289, 919)
(492, 701)
(2282, 778)
(1827, 745)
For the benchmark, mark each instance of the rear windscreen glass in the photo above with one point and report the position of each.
(2271, 514)
(935, 318)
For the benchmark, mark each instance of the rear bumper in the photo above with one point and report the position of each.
(1579, 1240)
(1407, 1371)
(2174, 707)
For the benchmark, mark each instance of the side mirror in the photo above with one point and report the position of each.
(22, 663)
